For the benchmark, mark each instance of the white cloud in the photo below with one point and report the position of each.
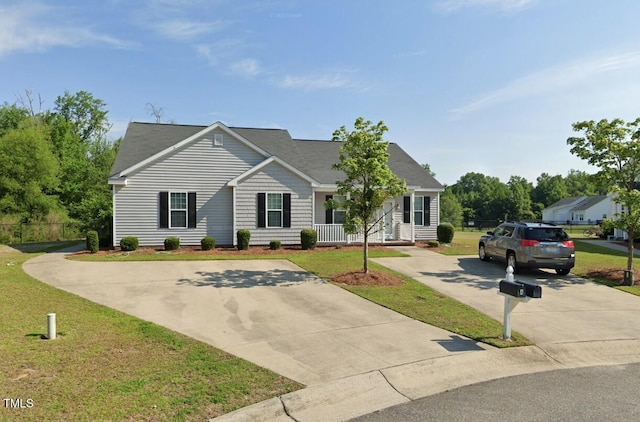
(329, 80)
(28, 27)
(554, 79)
(215, 52)
(509, 6)
(247, 68)
(183, 29)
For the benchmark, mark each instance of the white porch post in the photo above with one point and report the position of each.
(233, 210)
(412, 219)
(113, 215)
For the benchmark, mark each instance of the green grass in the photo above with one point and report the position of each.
(106, 365)
(412, 299)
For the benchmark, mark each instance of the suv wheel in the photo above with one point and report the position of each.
(562, 271)
(482, 253)
(511, 261)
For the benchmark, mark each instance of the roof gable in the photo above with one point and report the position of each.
(145, 143)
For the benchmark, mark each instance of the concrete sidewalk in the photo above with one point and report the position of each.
(357, 357)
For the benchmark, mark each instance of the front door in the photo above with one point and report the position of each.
(388, 220)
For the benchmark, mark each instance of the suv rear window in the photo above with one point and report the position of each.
(545, 234)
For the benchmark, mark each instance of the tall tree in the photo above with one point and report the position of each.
(86, 114)
(369, 181)
(450, 208)
(549, 189)
(614, 147)
(28, 171)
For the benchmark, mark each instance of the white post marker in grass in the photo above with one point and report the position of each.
(51, 326)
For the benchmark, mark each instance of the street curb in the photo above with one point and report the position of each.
(362, 394)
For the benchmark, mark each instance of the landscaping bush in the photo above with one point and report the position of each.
(308, 238)
(93, 243)
(171, 243)
(274, 245)
(433, 244)
(445, 232)
(207, 243)
(607, 226)
(243, 236)
(129, 243)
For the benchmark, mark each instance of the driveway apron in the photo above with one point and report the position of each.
(571, 309)
(270, 312)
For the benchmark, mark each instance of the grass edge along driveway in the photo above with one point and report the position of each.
(107, 365)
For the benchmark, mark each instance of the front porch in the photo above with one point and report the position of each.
(392, 233)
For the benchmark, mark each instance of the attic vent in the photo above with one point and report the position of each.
(218, 139)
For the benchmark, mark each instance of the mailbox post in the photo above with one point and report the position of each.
(515, 292)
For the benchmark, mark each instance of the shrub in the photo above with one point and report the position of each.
(308, 238)
(171, 243)
(93, 243)
(207, 243)
(274, 245)
(129, 243)
(243, 236)
(433, 244)
(607, 226)
(445, 232)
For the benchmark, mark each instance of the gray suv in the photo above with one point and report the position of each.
(529, 245)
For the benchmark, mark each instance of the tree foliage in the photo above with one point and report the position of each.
(614, 148)
(56, 160)
(369, 181)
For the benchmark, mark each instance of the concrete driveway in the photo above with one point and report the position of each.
(571, 309)
(269, 312)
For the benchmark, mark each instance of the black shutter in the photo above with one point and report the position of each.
(191, 210)
(406, 210)
(427, 210)
(328, 213)
(262, 205)
(286, 210)
(164, 210)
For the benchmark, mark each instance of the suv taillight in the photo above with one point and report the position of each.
(568, 243)
(527, 242)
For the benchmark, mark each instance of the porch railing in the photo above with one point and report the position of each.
(334, 233)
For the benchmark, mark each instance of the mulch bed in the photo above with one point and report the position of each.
(372, 278)
(614, 275)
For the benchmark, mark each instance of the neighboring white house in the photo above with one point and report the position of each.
(195, 181)
(580, 210)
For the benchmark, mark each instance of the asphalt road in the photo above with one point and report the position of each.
(603, 393)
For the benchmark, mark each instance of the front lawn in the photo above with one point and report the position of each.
(106, 365)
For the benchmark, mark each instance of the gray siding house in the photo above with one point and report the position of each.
(195, 181)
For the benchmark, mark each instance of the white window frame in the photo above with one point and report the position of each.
(218, 139)
(340, 210)
(172, 210)
(268, 210)
(418, 207)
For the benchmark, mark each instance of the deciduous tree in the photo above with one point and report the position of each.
(368, 182)
(614, 147)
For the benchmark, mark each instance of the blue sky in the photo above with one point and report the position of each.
(489, 86)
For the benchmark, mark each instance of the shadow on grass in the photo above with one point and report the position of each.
(242, 279)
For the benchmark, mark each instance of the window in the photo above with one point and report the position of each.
(218, 139)
(274, 210)
(177, 210)
(418, 210)
(339, 214)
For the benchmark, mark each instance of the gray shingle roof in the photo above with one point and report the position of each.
(588, 202)
(314, 158)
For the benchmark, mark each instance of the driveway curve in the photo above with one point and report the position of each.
(270, 312)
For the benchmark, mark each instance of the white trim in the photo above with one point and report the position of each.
(267, 209)
(113, 215)
(196, 136)
(122, 181)
(235, 181)
(234, 223)
(186, 210)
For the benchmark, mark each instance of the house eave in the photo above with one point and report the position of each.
(273, 159)
(120, 181)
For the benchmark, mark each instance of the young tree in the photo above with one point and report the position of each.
(368, 182)
(614, 147)
(450, 208)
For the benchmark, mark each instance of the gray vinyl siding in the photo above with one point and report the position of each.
(423, 233)
(199, 167)
(274, 179)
